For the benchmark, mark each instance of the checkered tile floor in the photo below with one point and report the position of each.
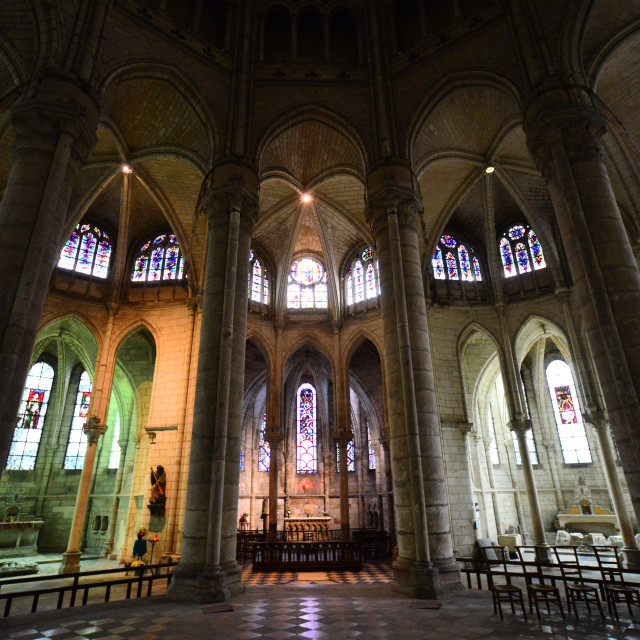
(320, 613)
(373, 573)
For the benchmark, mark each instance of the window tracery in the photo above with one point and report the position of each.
(372, 451)
(307, 285)
(521, 251)
(159, 260)
(258, 280)
(87, 251)
(306, 435)
(362, 281)
(452, 260)
(33, 410)
(264, 450)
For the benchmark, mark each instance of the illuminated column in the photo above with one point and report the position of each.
(71, 557)
(230, 203)
(564, 131)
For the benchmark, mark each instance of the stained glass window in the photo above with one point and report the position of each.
(242, 447)
(87, 251)
(452, 267)
(159, 260)
(372, 451)
(521, 241)
(264, 450)
(77, 443)
(362, 281)
(571, 431)
(531, 445)
(453, 263)
(306, 438)
(465, 264)
(438, 265)
(307, 285)
(33, 409)
(114, 454)
(351, 457)
(258, 280)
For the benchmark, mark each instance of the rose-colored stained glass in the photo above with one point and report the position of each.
(522, 256)
(465, 264)
(438, 265)
(370, 279)
(452, 267)
(476, 269)
(358, 281)
(536, 251)
(306, 447)
(507, 258)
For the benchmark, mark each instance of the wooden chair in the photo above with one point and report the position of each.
(537, 589)
(615, 587)
(496, 559)
(575, 588)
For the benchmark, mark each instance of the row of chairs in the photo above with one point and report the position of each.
(541, 588)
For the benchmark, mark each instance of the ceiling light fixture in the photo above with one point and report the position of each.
(126, 168)
(306, 197)
(489, 169)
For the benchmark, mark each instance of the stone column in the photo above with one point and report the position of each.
(230, 203)
(601, 426)
(342, 438)
(388, 482)
(71, 557)
(564, 132)
(418, 467)
(520, 428)
(274, 438)
(54, 133)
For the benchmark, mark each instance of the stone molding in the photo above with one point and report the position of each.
(93, 429)
(519, 426)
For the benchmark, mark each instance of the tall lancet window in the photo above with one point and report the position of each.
(351, 457)
(307, 285)
(77, 444)
(372, 451)
(159, 260)
(573, 438)
(362, 281)
(264, 450)
(521, 251)
(27, 435)
(258, 280)
(306, 434)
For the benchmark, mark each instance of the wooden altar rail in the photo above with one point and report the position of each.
(307, 556)
(76, 584)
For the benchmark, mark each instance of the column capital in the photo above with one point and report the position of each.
(93, 429)
(520, 426)
(231, 185)
(599, 420)
(342, 437)
(274, 438)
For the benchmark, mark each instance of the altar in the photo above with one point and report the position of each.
(19, 538)
(311, 528)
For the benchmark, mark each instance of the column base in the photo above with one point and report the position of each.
(233, 572)
(70, 562)
(416, 582)
(450, 577)
(543, 554)
(203, 586)
(633, 558)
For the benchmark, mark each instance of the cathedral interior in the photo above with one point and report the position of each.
(374, 264)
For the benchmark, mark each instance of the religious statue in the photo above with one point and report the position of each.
(158, 498)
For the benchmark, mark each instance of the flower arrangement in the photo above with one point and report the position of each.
(142, 532)
(138, 563)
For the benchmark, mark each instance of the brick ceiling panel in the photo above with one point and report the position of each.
(309, 149)
(146, 217)
(506, 211)
(535, 193)
(341, 235)
(89, 178)
(308, 237)
(105, 146)
(152, 113)
(348, 192)
(513, 147)
(106, 207)
(469, 215)
(440, 185)
(18, 29)
(275, 232)
(466, 119)
(272, 193)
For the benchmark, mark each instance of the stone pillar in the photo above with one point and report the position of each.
(342, 438)
(71, 557)
(418, 467)
(54, 133)
(274, 438)
(601, 426)
(520, 428)
(564, 132)
(230, 203)
(388, 483)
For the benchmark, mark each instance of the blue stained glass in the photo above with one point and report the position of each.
(452, 267)
(86, 253)
(264, 450)
(507, 258)
(370, 278)
(367, 254)
(351, 457)
(438, 265)
(448, 241)
(307, 271)
(155, 268)
(250, 255)
(242, 446)
(536, 251)
(515, 233)
(349, 289)
(306, 448)
(159, 260)
(162, 239)
(69, 252)
(257, 279)
(476, 269)
(265, 289)
(171, 262)
(180, 268)
(101, 264)
(522, 256)
(372, 451)
(359, 281)
(465, 264)
(77, 443)
(140, 268)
